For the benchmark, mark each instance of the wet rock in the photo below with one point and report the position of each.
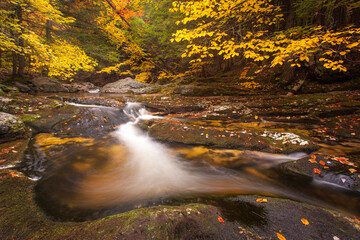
(46, 84)
(11, 127)
(329, 170)
(126, 85)
(250, 139)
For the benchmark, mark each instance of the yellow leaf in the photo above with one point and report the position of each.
(342, 53)
(281, 237)
(304, 221)
(261, 200)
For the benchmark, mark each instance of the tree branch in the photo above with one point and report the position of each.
(118, 13)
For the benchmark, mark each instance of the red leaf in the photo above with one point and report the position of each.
(220, 219)
(317, 171)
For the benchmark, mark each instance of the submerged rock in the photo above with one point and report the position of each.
(11, 127)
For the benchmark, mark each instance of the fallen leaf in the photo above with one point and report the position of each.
(322, 163)
(317, 171)
(312, 160)
(261, 200)
(220, 219)
(313, 156)
(352, 170)
(281, 237)
(304, 221)
(5, 150)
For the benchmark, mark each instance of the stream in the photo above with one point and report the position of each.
(100, 168)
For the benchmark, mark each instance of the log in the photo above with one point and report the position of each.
(296, 88)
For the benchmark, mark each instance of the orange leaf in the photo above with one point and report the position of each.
(312, 160)
(352, 170)
(281, 237)
(313, 156)
(322, 163)
(220, 219)
(261, 200)
(304, 221)
(317, 171)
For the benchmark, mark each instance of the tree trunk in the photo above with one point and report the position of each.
(14, 64)
(48, 31)
(21, 57)
(288, 74)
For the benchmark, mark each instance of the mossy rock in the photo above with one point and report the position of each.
(236, 217)
(11, 127)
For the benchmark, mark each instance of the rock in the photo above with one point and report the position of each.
(11, 127)
(81, 87)
(4, 103)
(185, 90)
(46, 84)
(6, 89)
(169, 130)
(22, 87)
(126, 85)
(192, 90)
(327, 170)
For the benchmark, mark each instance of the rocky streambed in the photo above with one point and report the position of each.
(314, 195)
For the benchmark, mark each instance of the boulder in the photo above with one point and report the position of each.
(11, 127)
(80, 87)
(22, 87)
(46, 84)
(126, 85)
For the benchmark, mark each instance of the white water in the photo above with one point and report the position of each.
(141, 168)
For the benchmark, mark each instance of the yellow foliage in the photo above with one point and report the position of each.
(60, 58)
(250, 85)
(210, 35)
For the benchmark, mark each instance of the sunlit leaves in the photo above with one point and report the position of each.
(61, 58)
(212, 35)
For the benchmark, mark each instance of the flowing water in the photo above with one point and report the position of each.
(128, 169)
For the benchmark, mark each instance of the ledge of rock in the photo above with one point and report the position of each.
(249, 139)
